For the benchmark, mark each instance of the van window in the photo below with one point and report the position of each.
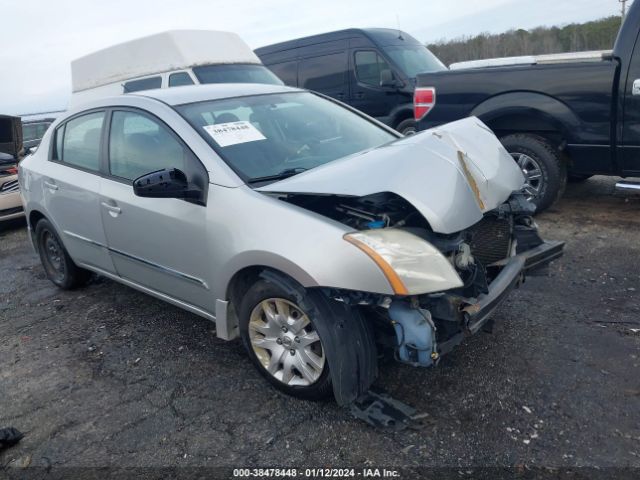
(143, 84)
(139, 145)
(287, 72)
(368, 67)
(179, 79)
(236, 73)
(326, 74)
(29, 132)
(414, 59)
(81, 142)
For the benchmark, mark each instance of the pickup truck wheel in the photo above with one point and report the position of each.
(543, 167)
(57, 263)
(407, 127)
(278, 330)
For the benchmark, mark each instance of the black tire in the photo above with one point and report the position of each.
(265, 289)
(407, 127)
(577, 178)
(57, 263)
(553, 180)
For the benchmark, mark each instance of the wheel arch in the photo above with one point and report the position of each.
(33, 218)
(400, 113)
(543, 115)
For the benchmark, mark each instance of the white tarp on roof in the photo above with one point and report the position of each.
(162, 52)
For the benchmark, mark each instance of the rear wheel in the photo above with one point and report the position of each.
(57, 263)
(542, 165)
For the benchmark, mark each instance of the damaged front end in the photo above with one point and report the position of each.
(492, 257)
(489, 258)
(443, 215)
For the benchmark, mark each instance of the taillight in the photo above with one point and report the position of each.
(12, 170)
(424, 99)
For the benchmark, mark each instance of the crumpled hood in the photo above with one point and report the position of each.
(451, 174)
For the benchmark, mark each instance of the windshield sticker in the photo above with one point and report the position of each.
(233, 133)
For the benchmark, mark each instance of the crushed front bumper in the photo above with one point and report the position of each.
(513, 270)
(439, 323)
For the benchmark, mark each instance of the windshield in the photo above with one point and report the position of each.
(236, 74)
(414, 59)
(281, 134)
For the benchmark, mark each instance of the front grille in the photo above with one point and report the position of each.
(490, 239)
(9, 187)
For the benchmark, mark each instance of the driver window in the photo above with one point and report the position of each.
(139, 145)
(368, 67)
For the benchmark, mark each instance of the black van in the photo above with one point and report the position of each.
(372, 69)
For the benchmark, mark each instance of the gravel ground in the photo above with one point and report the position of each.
(107, 376)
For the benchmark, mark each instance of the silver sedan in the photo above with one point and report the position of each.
(316, 234)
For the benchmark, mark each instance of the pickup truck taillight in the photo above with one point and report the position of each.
(424, 99)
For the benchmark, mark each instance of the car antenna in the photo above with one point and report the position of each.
(399, 31)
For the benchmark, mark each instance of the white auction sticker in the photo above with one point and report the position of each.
(232, 133)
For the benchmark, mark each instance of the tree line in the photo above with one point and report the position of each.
(575, 37)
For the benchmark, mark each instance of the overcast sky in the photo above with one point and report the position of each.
(38, 39)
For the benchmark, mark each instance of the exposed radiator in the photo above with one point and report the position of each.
(490, 239)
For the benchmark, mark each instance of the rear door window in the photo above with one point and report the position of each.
(138, 145)
(81, 142)
(143, 84)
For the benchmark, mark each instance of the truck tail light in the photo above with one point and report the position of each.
(424, 99)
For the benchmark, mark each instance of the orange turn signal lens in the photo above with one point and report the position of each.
(392, 277)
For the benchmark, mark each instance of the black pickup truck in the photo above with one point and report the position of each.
(559, 119)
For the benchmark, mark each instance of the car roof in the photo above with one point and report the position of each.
(216, 91)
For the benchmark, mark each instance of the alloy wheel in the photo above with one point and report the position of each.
(286, 343)
(532, 174)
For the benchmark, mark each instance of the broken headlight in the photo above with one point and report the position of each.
(411, 265)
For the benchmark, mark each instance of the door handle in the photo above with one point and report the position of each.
(50, 186)
(340, 96)
(635, 90)
(114, 211)
(359, 95)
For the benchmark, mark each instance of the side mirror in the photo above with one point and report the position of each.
(386, 79)
(167, 183)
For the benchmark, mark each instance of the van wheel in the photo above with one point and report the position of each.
(543, 166)
(407, 127)
(57, 263)
(278, 330)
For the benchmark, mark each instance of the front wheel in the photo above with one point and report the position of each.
(278, 329)
(543, 167)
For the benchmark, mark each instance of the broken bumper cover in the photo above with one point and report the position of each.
(477, 312)
(514, 269)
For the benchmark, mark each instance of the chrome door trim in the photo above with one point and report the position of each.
(148, 263)
(162, 268)
(149, 291)
(84, 239)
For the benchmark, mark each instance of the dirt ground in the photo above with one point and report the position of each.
(106, 376)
